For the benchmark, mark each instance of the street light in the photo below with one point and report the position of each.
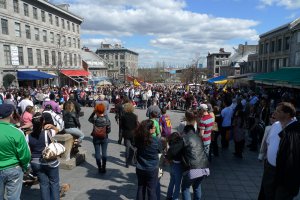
(123, 71)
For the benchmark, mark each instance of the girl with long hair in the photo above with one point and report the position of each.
(148, 148)
(46, 171)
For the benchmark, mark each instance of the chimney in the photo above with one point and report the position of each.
(222, 50)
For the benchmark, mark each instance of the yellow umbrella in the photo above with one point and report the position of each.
(221, 82)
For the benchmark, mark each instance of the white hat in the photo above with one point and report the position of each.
(203, 107)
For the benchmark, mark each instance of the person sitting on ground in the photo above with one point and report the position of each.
(72, 124)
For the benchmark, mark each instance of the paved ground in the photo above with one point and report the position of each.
(231, 178)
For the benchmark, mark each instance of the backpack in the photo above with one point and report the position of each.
(53, 118)
(165, 122)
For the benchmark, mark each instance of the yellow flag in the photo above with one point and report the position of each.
(136, 83)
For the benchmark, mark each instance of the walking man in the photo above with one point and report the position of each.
(14, 155)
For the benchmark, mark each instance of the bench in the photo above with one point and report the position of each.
(70, 158)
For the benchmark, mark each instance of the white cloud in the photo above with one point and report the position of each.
(172, 28)
(289, 4)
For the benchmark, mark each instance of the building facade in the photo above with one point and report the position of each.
(215, 61)
(119, 58)
(237, 59)
(37, 35)
(278, 48)
(94, 64)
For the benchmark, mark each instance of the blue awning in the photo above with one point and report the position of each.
(218, 78)
(33, 75)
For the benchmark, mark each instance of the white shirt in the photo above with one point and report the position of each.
(272, 141)
(24, 103)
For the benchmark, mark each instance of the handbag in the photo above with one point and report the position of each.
(52, 150)
(99, 132)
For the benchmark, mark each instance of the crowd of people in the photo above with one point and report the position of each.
(31, 117)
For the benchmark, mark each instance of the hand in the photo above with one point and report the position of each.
(49, 126)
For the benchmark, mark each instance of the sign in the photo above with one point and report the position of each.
(14, 55)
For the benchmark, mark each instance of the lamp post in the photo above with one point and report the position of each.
(123, 71)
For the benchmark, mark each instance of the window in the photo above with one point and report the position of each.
(30, 56)
(267, 48)
(18, 29)
(122, 56)
(69, 41)
(27, 32)
(63, 23)
(58, 39)
(217, 62)
(73, 27)
(77, 28)
(56, 21)
(46, 57)
(44, 35)
(65, 59)
(7, 57)
(53, 58)
(37, 34)
(273, 46)
(3, 4)
(297, 58)
(39, 57)
(75, 59)
(74, 42)
(116, 56)
(70, 59)
(43, 16)
(26, 10)
(298, 37)
(50, 19)
(21, 58)
(4, 26)
(35, 13)
(16, 6)
(78, 43)
(51, 37)
(261, 47)
(64, 41)
(287, 43)
(68, 25)
(59, 59)
(279, 45)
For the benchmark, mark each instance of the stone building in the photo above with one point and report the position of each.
(119, 58)
(278, 48)
(215, 61)
(37, 37)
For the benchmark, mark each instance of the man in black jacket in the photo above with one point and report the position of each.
(281, 178)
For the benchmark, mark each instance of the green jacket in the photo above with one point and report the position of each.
(14, 149)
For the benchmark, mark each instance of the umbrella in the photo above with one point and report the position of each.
(104, 82)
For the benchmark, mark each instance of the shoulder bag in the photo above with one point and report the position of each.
(52, 150)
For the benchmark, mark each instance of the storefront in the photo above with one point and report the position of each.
(34, 78)
(74, 77)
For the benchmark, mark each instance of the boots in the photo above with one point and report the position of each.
(99, 166)
(103, 168)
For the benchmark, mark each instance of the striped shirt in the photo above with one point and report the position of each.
(206, 123)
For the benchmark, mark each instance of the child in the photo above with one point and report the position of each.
(153, 117)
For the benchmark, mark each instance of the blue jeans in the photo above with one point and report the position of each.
(75, 132)
(187, 183)
(11, 179)
(175, 181)
(100, 143)
(147, 184)
(49, 181)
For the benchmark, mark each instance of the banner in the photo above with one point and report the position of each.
(14, 55)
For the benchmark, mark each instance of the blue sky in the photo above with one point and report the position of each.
(178, 32)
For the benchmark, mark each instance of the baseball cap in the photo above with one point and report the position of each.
(203, 107)
(6, 110)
